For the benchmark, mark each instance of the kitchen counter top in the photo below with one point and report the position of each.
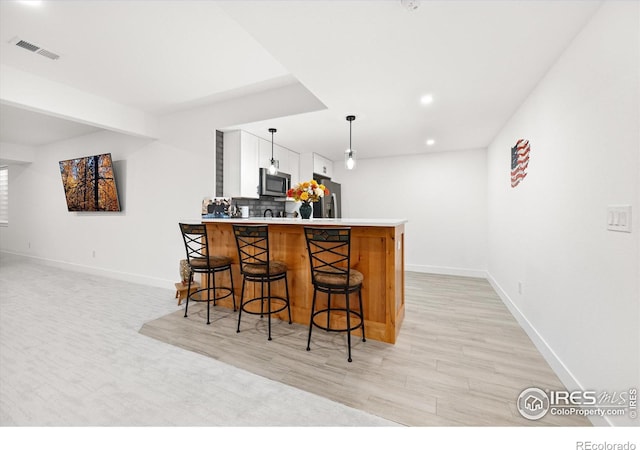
(313, 222)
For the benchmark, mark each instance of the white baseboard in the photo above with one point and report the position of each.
(560, 369)
(441, 270)
(123, 276)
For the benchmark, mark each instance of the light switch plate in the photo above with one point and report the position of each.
(619, 218)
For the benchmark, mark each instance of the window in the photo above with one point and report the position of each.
(4, 195)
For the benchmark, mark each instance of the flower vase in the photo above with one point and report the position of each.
(305, 210)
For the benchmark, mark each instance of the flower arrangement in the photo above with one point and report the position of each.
(308, 191)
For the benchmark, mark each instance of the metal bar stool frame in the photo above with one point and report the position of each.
(256, 266)
(200, 261)
(331, 273)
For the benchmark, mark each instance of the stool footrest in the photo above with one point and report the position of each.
(193, 295)
(352, 315)
(265, 299)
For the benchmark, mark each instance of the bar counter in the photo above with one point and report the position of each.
(377, 250)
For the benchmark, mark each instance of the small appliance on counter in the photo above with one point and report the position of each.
(291, 208)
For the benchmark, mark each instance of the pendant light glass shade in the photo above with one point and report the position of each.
(349, 159)
(272, 166)
(350, 154)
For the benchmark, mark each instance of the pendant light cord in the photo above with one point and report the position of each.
(350, 119)
(272, 166)
(272, 130)
(350, 149)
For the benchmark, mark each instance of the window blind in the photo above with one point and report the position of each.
(4, 195)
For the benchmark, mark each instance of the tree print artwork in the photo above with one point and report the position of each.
(89, 183)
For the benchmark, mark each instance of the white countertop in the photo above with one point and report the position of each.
(312, 221)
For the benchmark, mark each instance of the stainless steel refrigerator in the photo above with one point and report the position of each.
(329, 206)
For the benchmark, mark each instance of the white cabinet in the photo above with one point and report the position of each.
(241, 174)
(315, 165)
(287, 161)
(264, 158)
(280, 155)
(244, 155)
(322, 165)
(294, 168)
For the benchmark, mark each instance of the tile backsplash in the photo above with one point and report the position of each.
(219, 162)
(257, 207)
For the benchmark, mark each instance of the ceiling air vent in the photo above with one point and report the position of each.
(35, 48)
(27, 45)
(48, 54)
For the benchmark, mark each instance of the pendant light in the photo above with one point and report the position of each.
(272, 167)
(350, 154)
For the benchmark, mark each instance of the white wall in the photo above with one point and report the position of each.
(15, 154)
(140, 244)
(580, 293)
(442, 195)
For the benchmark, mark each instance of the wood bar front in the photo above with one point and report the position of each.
(376, 250)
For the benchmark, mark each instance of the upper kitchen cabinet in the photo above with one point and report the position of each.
(322, 165)
(294, 168)
(280, 155)
(287, 161)
(244, 154)
(312, 164)
(241, 174)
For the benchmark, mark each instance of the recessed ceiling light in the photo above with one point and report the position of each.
(33, 3)
(426, 99)
(430, 142)
(410, 5)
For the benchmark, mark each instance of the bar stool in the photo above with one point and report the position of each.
(331, 273)
(201, 261)
(256, 266)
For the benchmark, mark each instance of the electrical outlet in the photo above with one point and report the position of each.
(93, 253)
(520, 287)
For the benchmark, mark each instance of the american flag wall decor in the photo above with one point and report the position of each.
(519, 161)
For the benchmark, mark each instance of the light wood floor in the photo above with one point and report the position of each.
(71, 356)
(461, 359)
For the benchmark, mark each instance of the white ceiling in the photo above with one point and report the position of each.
(374, 59)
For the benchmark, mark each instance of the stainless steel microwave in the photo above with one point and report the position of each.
(274, 185)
